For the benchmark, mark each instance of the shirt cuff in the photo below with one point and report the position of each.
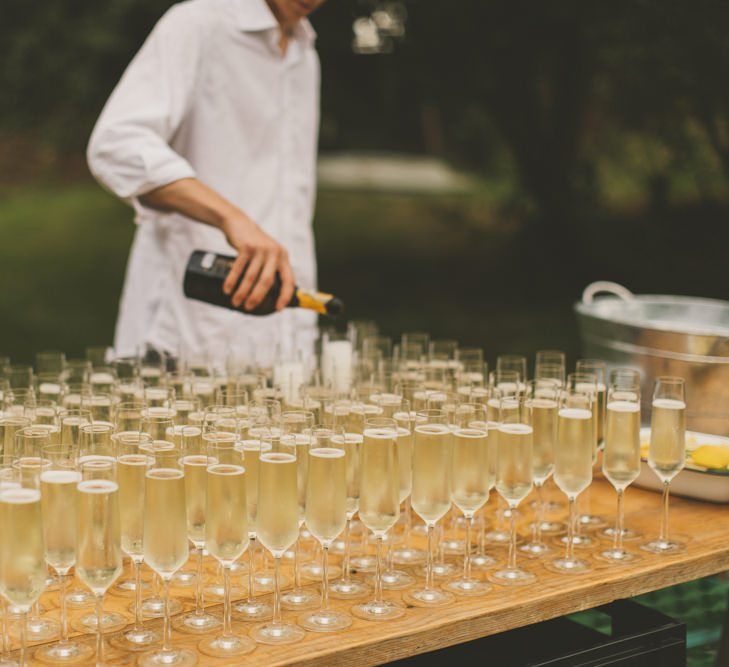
(173, 171)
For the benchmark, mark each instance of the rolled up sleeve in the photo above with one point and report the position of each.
(129, 150)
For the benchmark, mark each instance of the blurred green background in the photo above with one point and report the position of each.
(571, 142)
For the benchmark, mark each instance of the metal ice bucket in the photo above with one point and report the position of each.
(663, 335)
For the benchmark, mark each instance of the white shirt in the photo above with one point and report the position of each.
(209, 95)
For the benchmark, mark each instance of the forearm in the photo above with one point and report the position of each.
(193, 199)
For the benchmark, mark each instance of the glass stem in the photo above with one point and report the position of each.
(347, 550)
(408, 523)
(99, 629)
(325, 577)
(539, 519)
(618, 539)
(276, 591)
(64, 612)
(429, 562)
(378, 569)
(664, 516)
(512, 539)
(21, 632)
(167, 631)
(227, 623)
(481, 534)
(297, 573)
(199, 588)
(5, 638)
(390, 563)
(251, 560)
(467, 548)
(137, 565)
(570, 547)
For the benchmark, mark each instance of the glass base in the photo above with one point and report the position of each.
(395, 580)
(254, 610)
(196, 623)
(79, 597)
(453, 546)
(441, 570)
(428, 597)
(662, 547)
(41, 629)
(512, 577)
(420, 529)
(617, 556)
(263, 581)
(338, 547)
(591, 521)
(111, 621)
(535, 549)
(483, 561)
(364, 563)
(409, 556)
(551, 527)
(226, 646)
(176, 657)
(184, 578)
(136, 640)
(300, 599)
(499, 537)
(70, 651)
(325, 621)
(349, 590)
(154, 607)
(628, 534)
(578, 541)
(217, 592)
(127, 587)
(278, 633)
(550, 506)
(312, 572)
(467, 587)
(384, 610)
(568, 566)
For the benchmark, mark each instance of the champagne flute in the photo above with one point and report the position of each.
(621, 457)
(326, 506)
(50, 361)
(667, 450)
(472, 471)
(195, 463)
(71, 421)
(9, 479)
(59, 508)
(252, 609)
(156, 420)
(347, 588)
(379, 505)
(399, 410)
(22, 564)
(297, 427)
(277, 525)
(226, 537)
(597, 368)
(573, 460)
(9, 427)
(165, 541)
(30, 468)
(585, 383)
(514, 477)
(132, 463)
(95, 439)
(98, 535)
(128, 417)
(542, 405)
(431, 493)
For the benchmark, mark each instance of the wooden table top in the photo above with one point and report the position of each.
(704, 526)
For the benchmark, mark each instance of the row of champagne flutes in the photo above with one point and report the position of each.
(507, 388)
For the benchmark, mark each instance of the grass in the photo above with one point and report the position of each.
(410, 262)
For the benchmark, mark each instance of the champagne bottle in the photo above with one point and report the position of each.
(206, 272)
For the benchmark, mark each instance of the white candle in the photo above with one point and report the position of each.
(336, 364)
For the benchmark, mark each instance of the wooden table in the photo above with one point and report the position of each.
(704, 525)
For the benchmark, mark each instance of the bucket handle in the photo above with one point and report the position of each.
(606, 286)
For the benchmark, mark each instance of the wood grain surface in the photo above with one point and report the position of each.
(704, 526)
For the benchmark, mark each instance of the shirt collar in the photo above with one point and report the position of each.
(256, 16)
